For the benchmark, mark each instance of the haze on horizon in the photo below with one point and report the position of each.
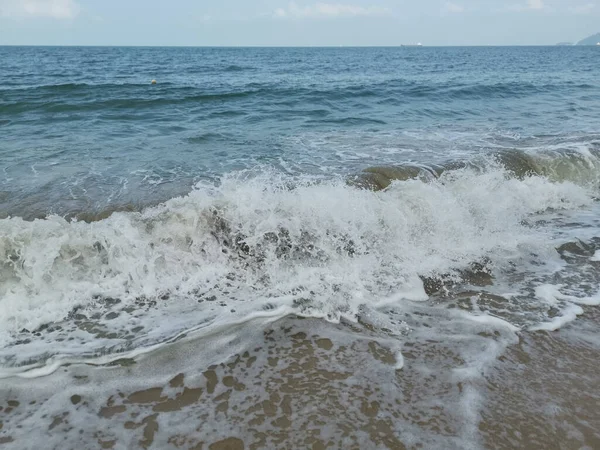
(296, 22)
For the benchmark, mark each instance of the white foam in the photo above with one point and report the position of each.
(345, 247)
(492, 321)
(551, 294)
(412, 290)
(218, 327)
(569, 314)
(399, 360)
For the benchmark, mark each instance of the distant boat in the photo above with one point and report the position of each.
(598, 43)
(420, 45)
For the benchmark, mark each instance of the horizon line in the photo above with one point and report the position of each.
(560, 44)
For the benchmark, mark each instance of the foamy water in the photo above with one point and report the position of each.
(270, 243)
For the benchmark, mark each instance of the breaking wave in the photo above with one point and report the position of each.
(268, 243)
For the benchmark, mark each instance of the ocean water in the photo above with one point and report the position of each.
(429, 215)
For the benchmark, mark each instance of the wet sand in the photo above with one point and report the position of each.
(306, 383)
(544, 393)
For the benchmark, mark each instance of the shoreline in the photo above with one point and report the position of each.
(298, 383)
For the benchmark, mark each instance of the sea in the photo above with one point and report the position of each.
(289, 248)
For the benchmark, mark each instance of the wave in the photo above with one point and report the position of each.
(321, 248)
(72, 87)
(87, 98)
(580, 166)
(236, 68)
(349, 121)
(206, 137)
(92, 97)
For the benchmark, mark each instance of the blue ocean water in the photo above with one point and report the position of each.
(83, 130)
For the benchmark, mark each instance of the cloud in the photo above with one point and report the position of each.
(535, 4)
(583, 9)
(529, 5)
(55, 9)
(453, 8)
(280, 12)
(327, 10)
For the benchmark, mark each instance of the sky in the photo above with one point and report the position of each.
(297, 22)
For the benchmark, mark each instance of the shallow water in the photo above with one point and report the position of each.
(286, 248)
(295, 383)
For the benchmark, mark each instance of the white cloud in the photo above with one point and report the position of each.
(535, 4)
(453, 7)
(56, 9)
(529, 5)
(324, 10)
(583, 9)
